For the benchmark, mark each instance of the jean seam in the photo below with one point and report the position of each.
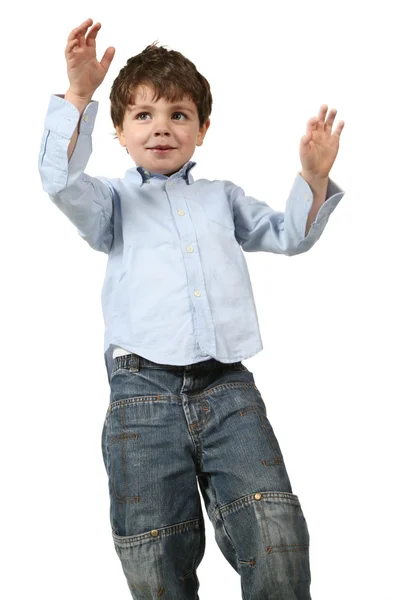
(218, 515)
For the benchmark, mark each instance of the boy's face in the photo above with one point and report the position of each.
(149, 124)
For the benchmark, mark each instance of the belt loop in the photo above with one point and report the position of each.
(135, 363)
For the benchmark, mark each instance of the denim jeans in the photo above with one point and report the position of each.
(169, 428)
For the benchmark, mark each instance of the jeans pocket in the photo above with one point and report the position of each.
(124, 466)
(163, 560)
(284, 523)
(271, 539)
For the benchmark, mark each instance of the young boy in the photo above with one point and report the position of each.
(179, 319)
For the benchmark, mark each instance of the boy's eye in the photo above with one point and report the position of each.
(146, 113)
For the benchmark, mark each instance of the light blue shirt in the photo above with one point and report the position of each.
(177, 288)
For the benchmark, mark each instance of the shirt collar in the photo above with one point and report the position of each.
(139, 175)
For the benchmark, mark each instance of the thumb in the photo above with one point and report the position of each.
(107, 58)
(306, 138)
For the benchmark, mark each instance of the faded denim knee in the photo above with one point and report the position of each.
(264, 536)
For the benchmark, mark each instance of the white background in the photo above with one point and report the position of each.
(327, 325)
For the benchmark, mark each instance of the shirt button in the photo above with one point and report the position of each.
(258, 496)
(181, 212)
(189, 248)
(307, 196)
(197, 293)
(171, 184)
(146, 172)
(154, 533)
(86, 118)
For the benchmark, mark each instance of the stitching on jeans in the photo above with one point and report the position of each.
(136, 399)
(190, 525)
(223, 386)
(244, 501)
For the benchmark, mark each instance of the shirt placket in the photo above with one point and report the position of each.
(202, 317)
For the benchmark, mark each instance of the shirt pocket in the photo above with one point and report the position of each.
(216, 208)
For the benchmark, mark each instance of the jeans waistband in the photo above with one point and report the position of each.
(134, 362)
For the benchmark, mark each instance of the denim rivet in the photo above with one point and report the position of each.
(154, 532)
(258, 496)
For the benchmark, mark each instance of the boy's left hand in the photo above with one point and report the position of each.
(319, 147)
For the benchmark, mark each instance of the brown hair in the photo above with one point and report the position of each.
(171, 75)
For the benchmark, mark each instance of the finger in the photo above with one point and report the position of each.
(107, 58)
(311, 125)
(306, 139)
(321, 117)
(71, 45)
(322, 112)
(339, 129)
(81, 29)
(330, 119)
(91, 37)
(313, 121)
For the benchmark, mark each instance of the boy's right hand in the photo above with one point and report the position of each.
(85, 73)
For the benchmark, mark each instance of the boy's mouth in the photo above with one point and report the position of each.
(161, 149)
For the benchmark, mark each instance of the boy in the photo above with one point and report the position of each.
(180, 317)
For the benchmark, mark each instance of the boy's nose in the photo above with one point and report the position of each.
(161, 124)
(161, 129)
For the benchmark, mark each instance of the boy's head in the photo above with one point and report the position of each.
(160, 99)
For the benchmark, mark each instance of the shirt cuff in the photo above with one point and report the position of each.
(302, 200)
(62, 117)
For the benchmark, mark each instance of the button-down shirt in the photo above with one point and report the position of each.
(177, 288)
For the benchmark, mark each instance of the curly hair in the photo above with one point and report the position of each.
(169, 73)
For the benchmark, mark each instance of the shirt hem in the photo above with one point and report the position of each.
(225, 359)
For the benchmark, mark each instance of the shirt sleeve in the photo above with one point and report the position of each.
(259, 227)
(86, 201)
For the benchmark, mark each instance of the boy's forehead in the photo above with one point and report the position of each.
(144, 95)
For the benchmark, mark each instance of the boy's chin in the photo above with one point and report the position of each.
(162, 170)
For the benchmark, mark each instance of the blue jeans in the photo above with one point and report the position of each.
(170, 427)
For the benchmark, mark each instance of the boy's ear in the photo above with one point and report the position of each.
(202, 132)
(120, 135)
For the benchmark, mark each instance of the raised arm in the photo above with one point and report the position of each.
(258, 227)
(66, 143)
(84, 71)
(313, 197)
